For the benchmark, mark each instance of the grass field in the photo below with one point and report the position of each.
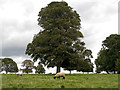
(71, 81)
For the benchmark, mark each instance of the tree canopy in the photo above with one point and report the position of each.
(108, 55)
(40, 69)
(8, 65)
(29, 65)
(60, 40)
(118, 66)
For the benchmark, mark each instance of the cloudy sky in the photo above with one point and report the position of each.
(18, 24)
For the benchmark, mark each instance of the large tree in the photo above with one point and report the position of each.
(108, 55)
(8, 65)
(60, 38)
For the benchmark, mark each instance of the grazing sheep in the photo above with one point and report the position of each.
(18, 73)
(58, 75)
(104, 73)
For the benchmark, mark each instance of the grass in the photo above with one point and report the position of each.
(71, 81)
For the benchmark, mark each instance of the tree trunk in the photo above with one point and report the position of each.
(70, 72)
(6, 72)
(107, 72)
(27, 72)
(114, 72)
(58, 69)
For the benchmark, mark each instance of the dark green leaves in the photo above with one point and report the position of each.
(40, 69)
(60, 40)
(109, 53)
(8, 65)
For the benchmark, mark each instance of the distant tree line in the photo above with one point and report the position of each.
(8, 65)
(29, 65)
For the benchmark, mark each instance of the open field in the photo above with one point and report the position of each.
(71, 81)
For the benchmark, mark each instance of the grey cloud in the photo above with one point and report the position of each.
(110, 10)
(94, 12)
(17, 33)
(85, 9)
(2, 2)
(13, 51)
(16, 25)
(14, 47)
(29, 8)
(10, 27)
(16, 36)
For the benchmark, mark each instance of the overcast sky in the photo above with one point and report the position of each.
(18, 23)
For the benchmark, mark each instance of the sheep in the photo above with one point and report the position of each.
(104, 73)
(18, 73)
(58, 75)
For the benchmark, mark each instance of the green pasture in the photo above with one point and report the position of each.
(71, 81)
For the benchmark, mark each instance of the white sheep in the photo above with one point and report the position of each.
(58, 75)
(18, 73)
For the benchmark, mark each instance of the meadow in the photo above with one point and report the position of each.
(71, 81)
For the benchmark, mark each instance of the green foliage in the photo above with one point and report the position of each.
(8, 65)
(85, 66)
(29, 65)
(60, 16)
(109, 53)
(80, 62)
(40, 69)
(60, 40)
(118, 66)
